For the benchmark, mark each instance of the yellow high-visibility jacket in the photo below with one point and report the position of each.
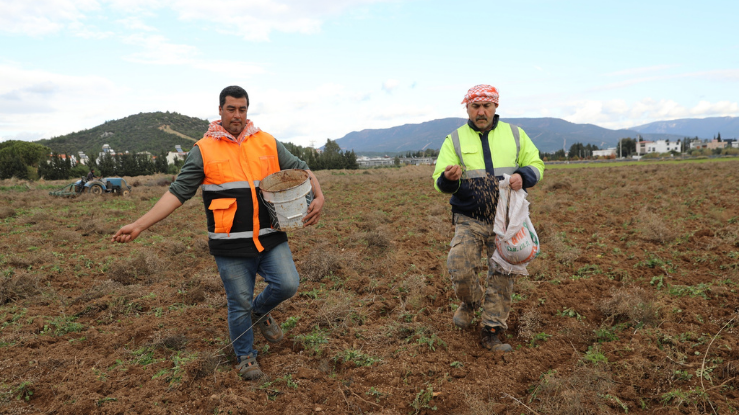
(505, 149)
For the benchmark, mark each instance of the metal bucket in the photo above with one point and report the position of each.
(287, 194)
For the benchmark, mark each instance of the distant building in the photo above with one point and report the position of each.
(659, 146)
(83, 158)
(364, 161)
(716, 144)
(641, 146)
(178, 154)
(106, 150)
(416, 161)
(63, 156)
(605, 153)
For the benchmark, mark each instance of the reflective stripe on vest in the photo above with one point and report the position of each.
(228, 186)
(240, 235)
(498, 171)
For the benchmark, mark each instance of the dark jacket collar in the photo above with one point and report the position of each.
(474, 127)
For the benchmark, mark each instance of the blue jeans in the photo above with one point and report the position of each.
(277, 268)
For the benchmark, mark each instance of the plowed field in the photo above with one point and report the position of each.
(631, 308)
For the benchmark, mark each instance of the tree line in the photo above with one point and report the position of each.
(21, 159)
(31, 161)
(429, 152)
(331, 158)
(626, 147)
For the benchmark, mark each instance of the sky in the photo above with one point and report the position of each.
(320, 69)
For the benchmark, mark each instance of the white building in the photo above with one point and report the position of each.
(375, 161)
(659, 146)
(605, 153)
(106, 150)
(83, 157)
(178, 154)
(415, 161)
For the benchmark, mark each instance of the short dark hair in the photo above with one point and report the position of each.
(233, 91)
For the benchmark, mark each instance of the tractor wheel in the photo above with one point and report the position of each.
(96, 189)
(125, 193)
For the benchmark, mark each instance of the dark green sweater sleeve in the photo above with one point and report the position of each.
(190, 178)
(288, 160)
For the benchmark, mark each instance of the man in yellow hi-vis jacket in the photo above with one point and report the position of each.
(471, 161)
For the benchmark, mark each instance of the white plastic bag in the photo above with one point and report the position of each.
(515, 238)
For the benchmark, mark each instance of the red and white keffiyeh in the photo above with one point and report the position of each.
(216, 131)
(481, 93)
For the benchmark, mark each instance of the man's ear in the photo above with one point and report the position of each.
(220, 110)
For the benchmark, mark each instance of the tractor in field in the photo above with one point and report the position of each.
(98, 186)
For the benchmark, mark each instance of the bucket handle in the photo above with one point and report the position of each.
(294, 216)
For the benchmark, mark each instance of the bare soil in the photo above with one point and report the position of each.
(630, 308)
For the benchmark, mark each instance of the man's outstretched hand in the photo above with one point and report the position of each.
(166, 205)
(126, 234)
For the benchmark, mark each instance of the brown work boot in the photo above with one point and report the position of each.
(249, 368)
(463, 316)
(489, 339)
(268, 326)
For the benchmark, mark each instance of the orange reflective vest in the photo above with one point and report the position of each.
(237, 216)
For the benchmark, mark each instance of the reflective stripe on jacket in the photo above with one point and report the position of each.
(509, 150)
(238, 220)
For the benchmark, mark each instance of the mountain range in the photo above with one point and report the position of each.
(549, 134)
(694, 127)
(161, 131)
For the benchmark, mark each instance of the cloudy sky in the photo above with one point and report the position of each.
(320, 69)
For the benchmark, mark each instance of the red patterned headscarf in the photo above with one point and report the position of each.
(481, 93)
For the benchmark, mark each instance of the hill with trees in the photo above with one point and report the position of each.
(153, 132)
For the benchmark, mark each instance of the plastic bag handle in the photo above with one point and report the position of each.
(508, 208)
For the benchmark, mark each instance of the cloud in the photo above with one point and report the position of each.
(620, 114)
(725, 75)
(135, 23)
(23, 136)
(42, 17)
(633, 71)
(390, 84)
(158, 50)
(84, 31)
(721, 75)
(255, 20)
(406, 113)
(37, 100)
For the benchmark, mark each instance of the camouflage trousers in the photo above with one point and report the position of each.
(464, 263)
